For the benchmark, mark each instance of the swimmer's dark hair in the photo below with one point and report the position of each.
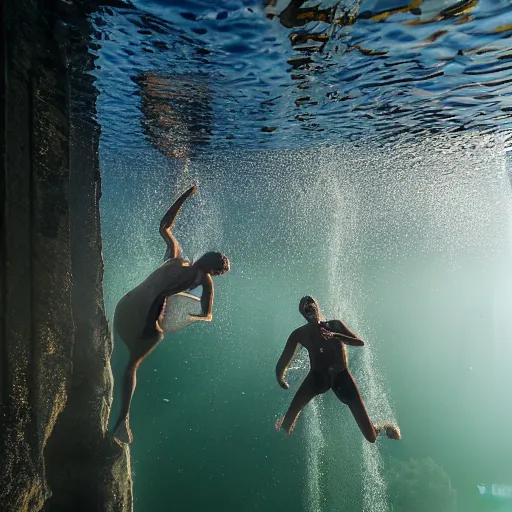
(213, 263)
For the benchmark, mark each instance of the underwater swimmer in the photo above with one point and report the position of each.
(325, 343)
(139, 314)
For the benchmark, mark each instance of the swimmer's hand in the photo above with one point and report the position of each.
(329, 334)
(199, 318)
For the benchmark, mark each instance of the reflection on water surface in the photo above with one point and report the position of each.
(296, 74)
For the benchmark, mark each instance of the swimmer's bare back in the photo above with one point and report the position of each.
(137, 312)
(325, 343)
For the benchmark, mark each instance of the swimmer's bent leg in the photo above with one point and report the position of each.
(345, 388)
(307, 391)
(167, 223)
(143, 347)
(122, 429)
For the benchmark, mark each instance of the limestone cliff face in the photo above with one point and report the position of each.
(55, 344)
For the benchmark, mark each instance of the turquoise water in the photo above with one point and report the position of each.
(409, 243)
(411, 250)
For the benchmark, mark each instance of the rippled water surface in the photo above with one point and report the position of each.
(242, 73)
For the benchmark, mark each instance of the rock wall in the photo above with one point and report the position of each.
(55, 344)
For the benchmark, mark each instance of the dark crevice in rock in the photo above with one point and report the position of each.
(3, 232)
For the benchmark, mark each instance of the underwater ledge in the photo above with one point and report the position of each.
(55, 342)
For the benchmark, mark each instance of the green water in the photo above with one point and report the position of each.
(410, 247)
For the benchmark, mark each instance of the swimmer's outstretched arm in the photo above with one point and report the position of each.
(206, 300)
(286, 358)
(168, 220)
(343, 333)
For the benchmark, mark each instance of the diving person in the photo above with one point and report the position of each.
(139, 314)
(325, 343)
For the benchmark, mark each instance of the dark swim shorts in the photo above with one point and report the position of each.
(345, 387)
(342, 383)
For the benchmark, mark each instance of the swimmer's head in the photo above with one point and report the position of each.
(309, 309)
(213, 263)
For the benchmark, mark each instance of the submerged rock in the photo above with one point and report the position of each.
(55, 377)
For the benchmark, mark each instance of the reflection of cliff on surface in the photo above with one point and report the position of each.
(177, 113)
(295, 15)
(420, 485)
(326, 29)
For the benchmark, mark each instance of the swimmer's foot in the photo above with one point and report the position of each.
(391, 430)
